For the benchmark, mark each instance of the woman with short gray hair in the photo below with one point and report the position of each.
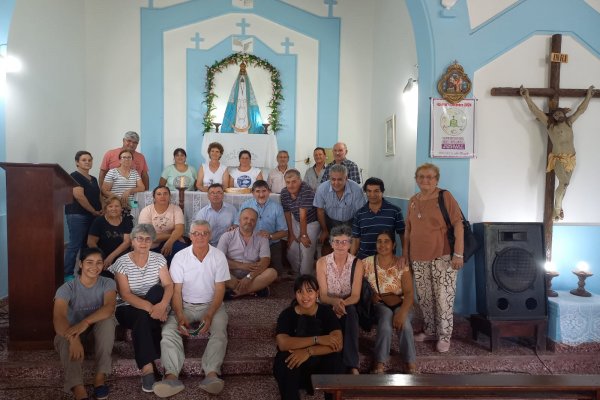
(145, 290)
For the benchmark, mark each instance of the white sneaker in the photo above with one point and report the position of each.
(212, 384)
(168, 387)
(443, 345)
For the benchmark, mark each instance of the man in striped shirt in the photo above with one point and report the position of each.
(373, 218)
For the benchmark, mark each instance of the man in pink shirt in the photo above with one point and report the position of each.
(111, 159)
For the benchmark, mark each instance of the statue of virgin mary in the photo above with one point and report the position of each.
(242, 114)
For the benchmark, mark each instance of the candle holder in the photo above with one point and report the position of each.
(266, 126)
(549, 276)
(181, 183)
(217, 125)
(580, 291)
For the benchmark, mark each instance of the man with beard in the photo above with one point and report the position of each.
(560, 131)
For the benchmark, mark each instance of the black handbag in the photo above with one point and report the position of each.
(471, 244)
(364, 307)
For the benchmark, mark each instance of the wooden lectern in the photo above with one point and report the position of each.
(35, 199)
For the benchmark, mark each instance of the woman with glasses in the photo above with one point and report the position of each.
(433, 262)
(110, 233)
(123, 181)
(145, 291)
(168, 221)
(391, 281)
(177, 169)
(337, 289)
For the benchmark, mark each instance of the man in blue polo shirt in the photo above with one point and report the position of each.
(271, 220)
(337, 200)
(376, 216)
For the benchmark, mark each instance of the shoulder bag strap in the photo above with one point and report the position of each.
(352, 271)
(376, 278)
(443, 208)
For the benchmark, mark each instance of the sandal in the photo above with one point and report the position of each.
(379, 369)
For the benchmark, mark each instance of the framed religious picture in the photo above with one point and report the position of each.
(452, 129)
(454, 85)
(390, 136)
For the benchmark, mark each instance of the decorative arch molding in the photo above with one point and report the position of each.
(252, 61)
(156, 22)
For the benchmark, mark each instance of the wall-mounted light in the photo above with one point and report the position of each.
(8, 63)
(410, 85)
(448, 4)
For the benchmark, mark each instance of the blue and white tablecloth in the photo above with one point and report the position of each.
(574, 320)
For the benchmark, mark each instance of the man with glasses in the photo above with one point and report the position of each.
(376, 216)
(248, 257)
(111, 159)
(199, 274)
(219, 215)
(337, 200)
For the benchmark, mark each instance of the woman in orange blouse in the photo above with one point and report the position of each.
(393, 299)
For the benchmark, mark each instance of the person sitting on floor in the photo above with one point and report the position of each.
(309, 341)
(82, 307)
(271, 221)
(199, 274)
(391, 281)
(145, 291)
(248, 257)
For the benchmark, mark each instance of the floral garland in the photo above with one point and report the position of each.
(250, 60)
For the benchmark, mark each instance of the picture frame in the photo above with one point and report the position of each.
(390, 136)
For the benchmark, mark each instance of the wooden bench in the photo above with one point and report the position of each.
(459, 386)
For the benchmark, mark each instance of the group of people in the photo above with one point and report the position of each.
(167, 288)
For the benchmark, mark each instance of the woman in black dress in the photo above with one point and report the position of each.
(309, 341)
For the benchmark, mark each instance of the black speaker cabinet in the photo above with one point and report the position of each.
(509, 271)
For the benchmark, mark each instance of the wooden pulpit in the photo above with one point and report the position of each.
(35, 199)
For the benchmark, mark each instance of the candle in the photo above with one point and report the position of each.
(550, 266)
(181, 182)
(582, 266)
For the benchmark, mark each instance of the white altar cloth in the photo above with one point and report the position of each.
(194, 201)
(262, 147)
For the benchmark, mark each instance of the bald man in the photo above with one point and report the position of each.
(340, 150)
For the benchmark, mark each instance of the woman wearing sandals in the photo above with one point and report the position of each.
(82, 307)
(337, 289)
(309, 340)
(391, 281)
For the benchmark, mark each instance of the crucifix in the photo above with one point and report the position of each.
(553, 93)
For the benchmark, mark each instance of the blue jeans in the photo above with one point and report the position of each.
(385, 330)
(79, 226)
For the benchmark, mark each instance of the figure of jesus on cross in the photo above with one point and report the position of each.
(560, 132)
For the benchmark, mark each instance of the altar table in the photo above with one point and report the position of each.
(194, 201)
(574, 320)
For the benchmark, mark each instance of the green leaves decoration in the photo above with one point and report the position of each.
(250, 60)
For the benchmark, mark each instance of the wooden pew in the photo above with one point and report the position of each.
(459, 386)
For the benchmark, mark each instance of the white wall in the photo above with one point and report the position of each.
(45, 111)
(394, 54)
(511, 144)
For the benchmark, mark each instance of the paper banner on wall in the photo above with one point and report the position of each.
(452, 129)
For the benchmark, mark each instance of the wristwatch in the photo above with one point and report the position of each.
(249, 276)
(270, 237)
(304, 236)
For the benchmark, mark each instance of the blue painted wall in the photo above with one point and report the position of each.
(6, 10)
(443, 36)
(155, 22)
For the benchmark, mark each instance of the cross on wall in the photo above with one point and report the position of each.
(197, 39)
(243, 25)
(287, 44)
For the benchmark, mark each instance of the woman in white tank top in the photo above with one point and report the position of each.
(244, 175)
(213, 171)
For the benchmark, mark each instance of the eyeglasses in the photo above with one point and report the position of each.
(126, 158)
(143, 239)
(429, 177)
(200, 233)
(342, 242)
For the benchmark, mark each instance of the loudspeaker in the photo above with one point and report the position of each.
(509, 271)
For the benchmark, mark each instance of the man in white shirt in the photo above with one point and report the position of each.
(199, 273)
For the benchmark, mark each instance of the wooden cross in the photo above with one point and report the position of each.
(554, 92)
